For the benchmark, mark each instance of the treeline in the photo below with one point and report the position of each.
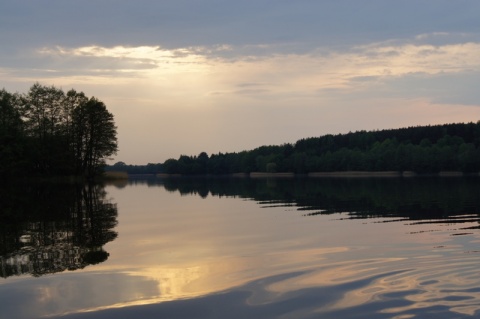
(428, 198)
(150, 168)
(47, 132)
(422, 149)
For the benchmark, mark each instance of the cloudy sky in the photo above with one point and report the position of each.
(186, 76)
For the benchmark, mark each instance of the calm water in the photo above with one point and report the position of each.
(242, 248)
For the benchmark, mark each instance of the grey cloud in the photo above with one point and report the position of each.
(247, 88)
(252, 88)
(444, 88)
(250, 84)
(65, 65)
(188, 23)
(251, 91)
(457, 89)
(364, 79)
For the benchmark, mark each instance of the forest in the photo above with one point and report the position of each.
(420, 149)
(47, 132)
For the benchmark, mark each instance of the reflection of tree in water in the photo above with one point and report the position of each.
(50, 228)
(410, 198)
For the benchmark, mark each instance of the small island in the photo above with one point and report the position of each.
(47, 132)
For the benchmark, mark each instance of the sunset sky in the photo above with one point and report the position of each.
(186, 76)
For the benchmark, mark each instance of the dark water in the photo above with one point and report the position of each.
(242, 248)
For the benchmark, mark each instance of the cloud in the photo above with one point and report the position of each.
(181, 23)
(123, 58)
(443, 88)
(202, 72)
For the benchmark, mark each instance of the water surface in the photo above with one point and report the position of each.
(243, 248)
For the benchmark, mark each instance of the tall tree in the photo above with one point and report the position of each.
(95, 136)
(10, 120)
(11, 134)
(72, 101)
(42, 110)
(48, 132)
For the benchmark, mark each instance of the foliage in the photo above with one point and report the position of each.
(136, 169)
(47, 132)
(422, 149)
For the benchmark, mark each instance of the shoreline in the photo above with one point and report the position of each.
(390, 174)
(337, 174)
(358, 174)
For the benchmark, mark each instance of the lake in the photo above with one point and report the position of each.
(242, 248)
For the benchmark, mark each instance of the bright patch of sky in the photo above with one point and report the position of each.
(182, 77)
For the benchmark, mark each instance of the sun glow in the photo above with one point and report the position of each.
(216, 84)
(285, 72)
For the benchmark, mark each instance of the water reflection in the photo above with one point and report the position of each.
(263, 248)
(50, 227)
(414, 199)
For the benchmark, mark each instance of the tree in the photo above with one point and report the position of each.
(201, 163)
(271, 167)
(72, 101)
(42, 110)
(94, 137)
(10, 121)
(47, 132)
(11, 134)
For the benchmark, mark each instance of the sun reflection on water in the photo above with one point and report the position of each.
(175, 251)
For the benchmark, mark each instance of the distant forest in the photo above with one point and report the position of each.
(421, 149)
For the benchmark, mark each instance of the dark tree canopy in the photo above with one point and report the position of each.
(421, 149)
(47, 132)
(94, 135)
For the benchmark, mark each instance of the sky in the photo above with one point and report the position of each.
(188, 76)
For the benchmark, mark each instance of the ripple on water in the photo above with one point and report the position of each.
(407, 288)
